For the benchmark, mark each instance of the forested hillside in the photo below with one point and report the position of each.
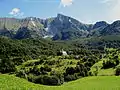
(55, 62)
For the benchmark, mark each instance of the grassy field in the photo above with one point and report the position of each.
(8, 82)
(102, 72)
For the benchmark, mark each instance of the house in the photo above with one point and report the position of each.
(64, 53)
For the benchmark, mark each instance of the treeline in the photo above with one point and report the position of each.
(15, 52)
(48, 71)
(86, 53)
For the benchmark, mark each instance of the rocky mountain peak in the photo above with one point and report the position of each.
(61, 27)
(100, 24)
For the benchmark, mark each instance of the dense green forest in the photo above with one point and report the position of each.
(43, 61)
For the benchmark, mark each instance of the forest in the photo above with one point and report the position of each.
(43, 61)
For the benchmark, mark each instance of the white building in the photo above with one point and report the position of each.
(64, 53)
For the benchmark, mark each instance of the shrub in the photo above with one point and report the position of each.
(45, 68)
(48, 80)
(21, 74)
(70, 70)
(59, 75)
(82, 70)
(71, 77)
(108, 64)
(31, 77)
(7, 65)
(53, 62)
(117, 71)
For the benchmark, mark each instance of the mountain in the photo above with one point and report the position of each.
(21, 28)
(64, 27)
(97, 28)
(112, 29)
(30, 28)
(61, 23)
(60, 27)
(9, 26)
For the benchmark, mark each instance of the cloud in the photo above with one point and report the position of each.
(16, 12)
(113, 9)
(66, 2)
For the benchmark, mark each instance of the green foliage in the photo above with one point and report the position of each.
(35, 59)
(7, 65)
(113, 59)
(71, 77)
(48, 80)
(117, 71)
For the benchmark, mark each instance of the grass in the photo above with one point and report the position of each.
(8, 82)
(106, 72)
(97, 65)
(102, 72)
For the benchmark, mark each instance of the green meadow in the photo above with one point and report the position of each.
(10, 82)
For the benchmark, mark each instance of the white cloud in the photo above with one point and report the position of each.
(16, 12)
(66, 2)
(113, 9)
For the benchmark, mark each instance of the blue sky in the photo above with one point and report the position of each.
(87, 11)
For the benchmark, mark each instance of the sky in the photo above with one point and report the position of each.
(86, 11)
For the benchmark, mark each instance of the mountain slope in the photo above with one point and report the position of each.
(58, 28)
(33, 27)
(21, 28)
(30, 28)
(97, 28)
(64, 27)
(112, 29)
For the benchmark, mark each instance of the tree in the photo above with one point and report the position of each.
(7, 65)
(117, 71)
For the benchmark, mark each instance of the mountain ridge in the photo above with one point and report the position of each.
(60, 27)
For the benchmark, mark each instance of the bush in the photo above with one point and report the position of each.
(7, 65)
(45, 68)
(59, 75)
(31, 77)
(70, 70)
(112, 62)
(82, 70)
(117, 71)
(109, 64)
(48, 80)
(53, 62)
(21, 74)
(71, 77)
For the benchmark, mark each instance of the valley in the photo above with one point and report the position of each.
(59, 53)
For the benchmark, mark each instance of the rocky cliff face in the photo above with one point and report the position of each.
(97, 28)
(22, 28)
(59, 28)
(64, 27)
(112, 29)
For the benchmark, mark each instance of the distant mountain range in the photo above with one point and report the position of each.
(58, 28)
